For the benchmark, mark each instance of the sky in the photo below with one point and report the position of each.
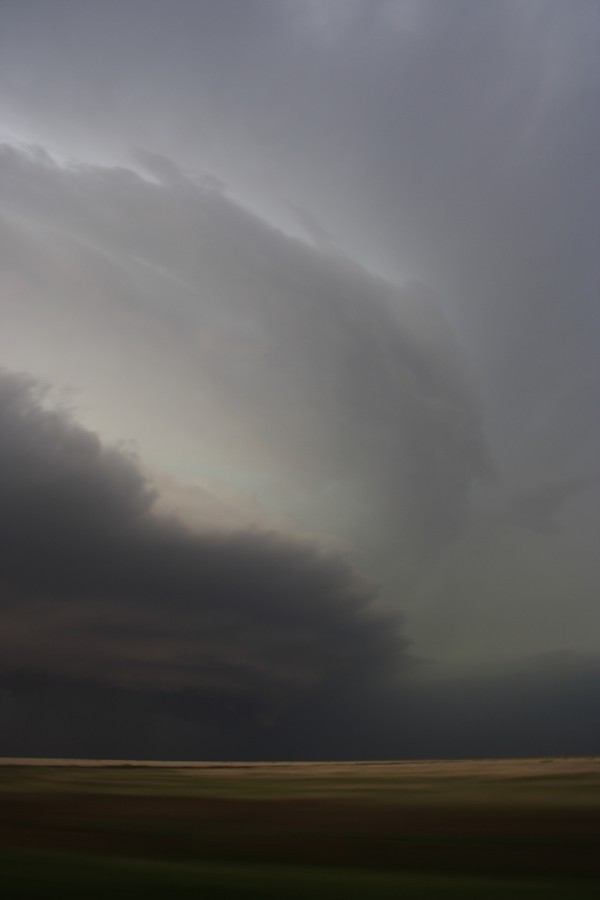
(299, 378)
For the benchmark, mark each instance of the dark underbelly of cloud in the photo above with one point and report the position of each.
(96, 589)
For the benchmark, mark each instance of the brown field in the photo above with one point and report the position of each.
(533, 820)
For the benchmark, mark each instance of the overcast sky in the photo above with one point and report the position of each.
(299, 397)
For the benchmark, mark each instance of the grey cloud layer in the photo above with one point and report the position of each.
(269, 355)
(456, 141)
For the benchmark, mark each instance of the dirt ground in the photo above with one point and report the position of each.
(494, 817)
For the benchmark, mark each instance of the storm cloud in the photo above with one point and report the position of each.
(315, 285)
(97, 588)
(282, 359)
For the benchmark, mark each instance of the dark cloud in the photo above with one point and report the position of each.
(534, 706)
(537, 707)
(125, 634)
(95, 588)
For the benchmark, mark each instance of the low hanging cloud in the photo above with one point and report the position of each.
(96, 589)
(126, 633)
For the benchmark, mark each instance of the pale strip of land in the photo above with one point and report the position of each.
(560, 782)
(488, 768)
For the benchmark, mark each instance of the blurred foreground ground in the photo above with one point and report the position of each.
(468, 829)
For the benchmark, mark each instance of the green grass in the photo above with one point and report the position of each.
(35, 874)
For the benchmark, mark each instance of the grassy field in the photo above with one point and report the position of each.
(468, 829)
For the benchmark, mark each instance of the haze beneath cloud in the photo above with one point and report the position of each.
(299, 426)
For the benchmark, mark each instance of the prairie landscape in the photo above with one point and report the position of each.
(456, 828)
(299, 446)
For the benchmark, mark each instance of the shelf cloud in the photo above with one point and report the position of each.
(299, 399)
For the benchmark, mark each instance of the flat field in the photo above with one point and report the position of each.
(464, 829)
